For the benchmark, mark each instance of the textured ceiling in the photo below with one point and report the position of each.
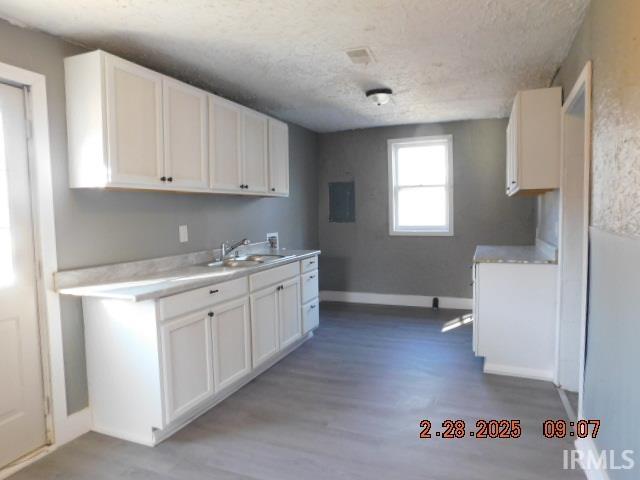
(444, 59)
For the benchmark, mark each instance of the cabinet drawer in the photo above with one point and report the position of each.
(275, 275)
(202, 297)
(309, 264)
(310, 315)
(309, 286)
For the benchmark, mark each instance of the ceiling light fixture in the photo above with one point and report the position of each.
(379, 96)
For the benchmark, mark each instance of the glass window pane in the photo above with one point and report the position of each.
(422, 165)
(422, 206)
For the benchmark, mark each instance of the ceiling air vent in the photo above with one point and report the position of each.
(360, 56)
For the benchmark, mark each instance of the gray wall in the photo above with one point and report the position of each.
(96, 227)
(609, 37)
(363, 257)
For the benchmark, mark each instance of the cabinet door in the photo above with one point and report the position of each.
(225, 137)
(187, 363)
(185, 136)
(278, 158)
(289, 312)
(264, 324)
(231, 342)
(134, 110)
(254, 152)
(310, 316)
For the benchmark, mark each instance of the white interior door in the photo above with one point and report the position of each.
(22, 413)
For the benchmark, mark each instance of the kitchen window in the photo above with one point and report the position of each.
(421, 186)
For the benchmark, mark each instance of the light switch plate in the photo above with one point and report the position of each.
(183, 233)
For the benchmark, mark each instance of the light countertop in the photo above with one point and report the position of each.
(513, 254)
(139, 283)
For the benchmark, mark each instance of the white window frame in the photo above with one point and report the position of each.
(392, 148)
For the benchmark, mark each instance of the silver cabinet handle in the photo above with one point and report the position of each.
(312, 307)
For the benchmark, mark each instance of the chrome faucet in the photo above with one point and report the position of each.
(226, 249)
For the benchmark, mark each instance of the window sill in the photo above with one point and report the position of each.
(418, 233)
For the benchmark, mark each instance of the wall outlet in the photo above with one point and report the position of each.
(273, 240)
(183, 233)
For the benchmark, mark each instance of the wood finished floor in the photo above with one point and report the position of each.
(346, 405)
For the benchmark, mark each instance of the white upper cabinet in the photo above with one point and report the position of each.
(225, 139)
(134, 100)
(130, 127)
(264, 324)
(114, 117)
(533, 141)
(254, 152)
(185, 136)
(278, 158)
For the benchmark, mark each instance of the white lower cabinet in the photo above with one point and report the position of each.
(231, 342)
(289, 312)
(154, 365)
(514, 318)
(264, 324)
(187, 358)
(310, 316)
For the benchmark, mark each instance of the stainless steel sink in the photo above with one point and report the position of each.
(262, 258)
(240, 262)
(245, 261)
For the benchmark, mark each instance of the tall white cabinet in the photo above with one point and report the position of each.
(132, 128)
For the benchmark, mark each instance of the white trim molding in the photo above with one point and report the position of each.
(394, 299)
(62, 427)
(508, 370)
(588, 449)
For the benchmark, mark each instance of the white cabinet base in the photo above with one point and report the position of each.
(515, 318)
(158, 436)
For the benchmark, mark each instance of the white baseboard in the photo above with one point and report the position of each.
(395, 299)
(588, 448)
(77, 424)
(508, 370)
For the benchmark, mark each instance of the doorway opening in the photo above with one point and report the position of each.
(573, 257)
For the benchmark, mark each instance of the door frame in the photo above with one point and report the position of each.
(61, 428)
(582, 87)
